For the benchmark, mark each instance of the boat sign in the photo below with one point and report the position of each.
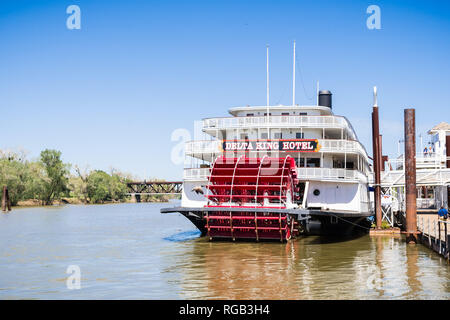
(293, 145)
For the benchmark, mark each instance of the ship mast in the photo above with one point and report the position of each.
(293, 79)
(267, 69)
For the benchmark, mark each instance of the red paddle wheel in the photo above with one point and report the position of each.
(248, 196)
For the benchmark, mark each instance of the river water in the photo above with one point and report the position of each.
(131, 251)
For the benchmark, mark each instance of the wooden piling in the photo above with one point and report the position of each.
(4, 199)
(6, 202)
(376, 165)
(410, 176)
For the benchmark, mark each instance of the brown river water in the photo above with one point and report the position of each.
(131, 251)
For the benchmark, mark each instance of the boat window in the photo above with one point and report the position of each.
(313, 163)
(300, 163)
(244, 136)
(278, 135)
(265, 113)
(299, 135)
(285, 113)
(264, 135)
(338, 164)
(250, 114)
(303, 113)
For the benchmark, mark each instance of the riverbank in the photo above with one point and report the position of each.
(76, 201)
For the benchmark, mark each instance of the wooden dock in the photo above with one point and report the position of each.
(434, 233)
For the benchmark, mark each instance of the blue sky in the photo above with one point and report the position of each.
(110, 94)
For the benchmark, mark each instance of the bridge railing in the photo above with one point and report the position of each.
(155, 187)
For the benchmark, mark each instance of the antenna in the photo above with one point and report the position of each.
(293, 80)
(267, 79)
(317, 94)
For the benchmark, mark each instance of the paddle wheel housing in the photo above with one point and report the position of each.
(252, 184)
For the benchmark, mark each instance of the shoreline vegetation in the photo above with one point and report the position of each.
(48, 181)
(76, 201)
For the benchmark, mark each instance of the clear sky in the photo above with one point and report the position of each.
(111, 94)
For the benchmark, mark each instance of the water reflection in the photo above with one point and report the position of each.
(132, 251)
(310, 268)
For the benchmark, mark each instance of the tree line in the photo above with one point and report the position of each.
(48, 179)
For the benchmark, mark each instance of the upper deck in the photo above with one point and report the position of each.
(249, 118)
(280, 109)
(338, 156)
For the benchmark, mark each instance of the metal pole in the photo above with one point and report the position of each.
(376, 165)
(429, 233)
(439, 235)
(293, 80)
(410, 176)
(380, 153)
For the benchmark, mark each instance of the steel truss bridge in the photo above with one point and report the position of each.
(154, 187)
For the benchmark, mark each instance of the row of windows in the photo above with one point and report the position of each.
(315, 163)
(276, 135)
(310, 162)
(283, 114)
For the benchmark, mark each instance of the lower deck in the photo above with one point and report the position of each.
(305, 221)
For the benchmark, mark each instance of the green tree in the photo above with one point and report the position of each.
(35, 177)
(103, 187)
(118, 187)
(13, 174)
(55, 180)
(98, 184)
(78, 184)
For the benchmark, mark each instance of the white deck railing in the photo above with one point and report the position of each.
(329, 174)
(199, 147)
(394, 178)
(429, 161)
(196, 174)
(425, 203)
(291, 121)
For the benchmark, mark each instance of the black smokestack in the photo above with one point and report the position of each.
(325, 98)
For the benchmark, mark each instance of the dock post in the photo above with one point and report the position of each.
(4, 199)
(6, 202)
(410, 176)
(376, 161)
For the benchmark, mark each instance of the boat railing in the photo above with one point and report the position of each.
(279, 121)
(334, 174)
(330, 174)
(327, 145)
